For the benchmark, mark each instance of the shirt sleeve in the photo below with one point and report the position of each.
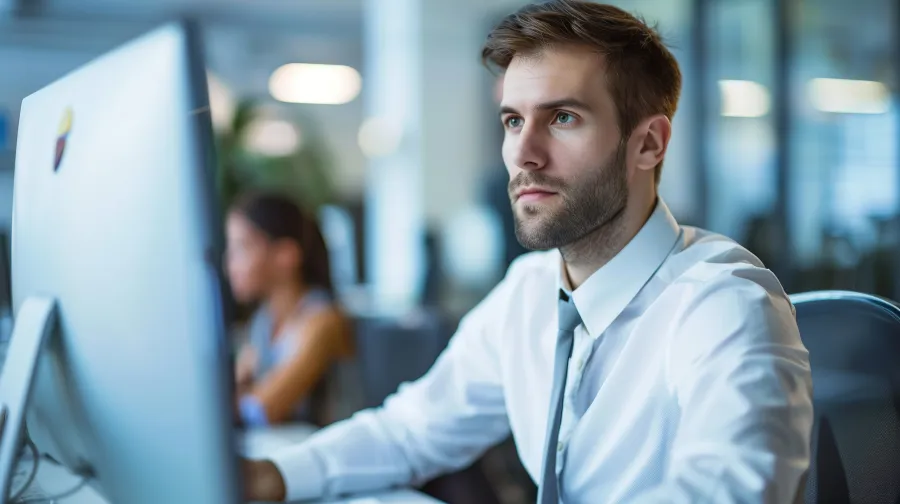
(439, 423)
(742, 380)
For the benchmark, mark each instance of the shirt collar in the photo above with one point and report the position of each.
(603, 296)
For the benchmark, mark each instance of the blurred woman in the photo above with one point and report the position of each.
(276, 258)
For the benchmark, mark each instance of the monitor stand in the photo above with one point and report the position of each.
(34, 323)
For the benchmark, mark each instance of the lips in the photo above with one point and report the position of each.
(533, 194)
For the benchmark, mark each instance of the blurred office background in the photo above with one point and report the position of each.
(377, 115)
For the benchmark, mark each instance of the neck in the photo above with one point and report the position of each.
(283, 300)
(587, 255)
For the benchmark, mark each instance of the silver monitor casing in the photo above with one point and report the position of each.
(133, 384)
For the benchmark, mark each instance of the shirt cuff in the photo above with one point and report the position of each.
(302, 472)
(252, 412)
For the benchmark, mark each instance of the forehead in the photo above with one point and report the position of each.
(553, 74)
(237, 224)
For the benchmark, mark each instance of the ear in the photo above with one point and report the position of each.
(650, 140)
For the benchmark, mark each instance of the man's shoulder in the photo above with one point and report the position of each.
(721, 302)
(712, 273)
(705, 244)
(717, 275)
(708, 257)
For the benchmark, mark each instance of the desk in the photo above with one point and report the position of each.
(53, 479)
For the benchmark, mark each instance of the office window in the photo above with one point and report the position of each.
(842, 185)
(740, 138)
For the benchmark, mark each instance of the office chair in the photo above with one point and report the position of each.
(390, 352)
(854, 349)
(393, 351)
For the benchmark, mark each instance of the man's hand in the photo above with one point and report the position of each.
(262, 481)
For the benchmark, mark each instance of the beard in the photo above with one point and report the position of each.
(588, 203)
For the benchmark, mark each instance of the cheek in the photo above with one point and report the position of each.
(246, 272)
(574, 154)
(509, 158)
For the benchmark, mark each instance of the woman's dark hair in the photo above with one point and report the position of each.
(278, 217)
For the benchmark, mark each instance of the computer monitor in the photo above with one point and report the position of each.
(114, 220)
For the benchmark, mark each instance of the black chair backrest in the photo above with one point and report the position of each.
(390, 352)
(854, 350)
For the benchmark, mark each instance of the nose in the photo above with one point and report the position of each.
(528, 150)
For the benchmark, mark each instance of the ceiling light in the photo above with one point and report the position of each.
(849, 96)
(319, 84)
(742, 98)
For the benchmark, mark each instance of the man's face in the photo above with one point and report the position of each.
(562, 147)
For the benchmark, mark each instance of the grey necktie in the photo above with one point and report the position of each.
(548, 492)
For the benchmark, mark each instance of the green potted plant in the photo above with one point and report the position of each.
(302, 174)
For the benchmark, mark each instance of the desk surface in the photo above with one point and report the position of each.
(53, 479)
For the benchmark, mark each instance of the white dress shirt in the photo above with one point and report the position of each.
(688, 383)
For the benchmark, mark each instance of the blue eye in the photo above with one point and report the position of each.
(565, 118)
(513, 122)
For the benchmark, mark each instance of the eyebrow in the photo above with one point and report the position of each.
(551, 105)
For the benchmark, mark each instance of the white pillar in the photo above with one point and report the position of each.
(392, 90)
(422, 71)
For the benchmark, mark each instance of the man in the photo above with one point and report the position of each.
(633, 360)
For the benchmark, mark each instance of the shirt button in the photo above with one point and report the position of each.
(560, 446)
(581, 364)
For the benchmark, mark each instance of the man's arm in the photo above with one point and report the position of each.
(439, 423)
(743, 384)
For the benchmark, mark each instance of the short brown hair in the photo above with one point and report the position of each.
(643, 75)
